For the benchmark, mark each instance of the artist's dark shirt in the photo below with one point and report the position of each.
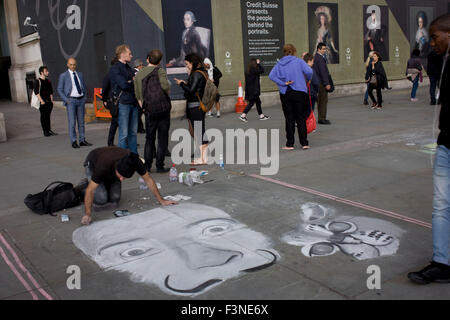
(102, 162)
(444, 120)
(45, 90)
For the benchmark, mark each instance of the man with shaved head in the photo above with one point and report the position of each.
(73, 92)
(439, 269)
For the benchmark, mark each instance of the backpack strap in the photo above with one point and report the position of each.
(204, 74)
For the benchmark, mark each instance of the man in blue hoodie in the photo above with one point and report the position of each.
(291, 75)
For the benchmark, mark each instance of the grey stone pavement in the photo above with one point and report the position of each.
(381, 159)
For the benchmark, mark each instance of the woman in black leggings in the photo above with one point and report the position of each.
(194, 89)
(377, 80)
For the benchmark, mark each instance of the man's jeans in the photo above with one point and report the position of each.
(441, 207)
(415, 87)
(128, 123)
(104, 194)
(75, 113)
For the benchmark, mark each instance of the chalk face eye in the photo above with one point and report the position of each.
(216, 230)
(135, 252)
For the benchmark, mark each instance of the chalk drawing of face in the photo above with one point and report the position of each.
(184, 250)
(363, 238)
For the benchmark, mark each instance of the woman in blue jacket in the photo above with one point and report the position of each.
(291, 74)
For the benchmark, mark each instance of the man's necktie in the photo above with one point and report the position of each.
(77, 83)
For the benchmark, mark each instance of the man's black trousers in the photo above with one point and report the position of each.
(153, 125)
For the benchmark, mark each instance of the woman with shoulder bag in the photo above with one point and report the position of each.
(377, 80)
(194, 88)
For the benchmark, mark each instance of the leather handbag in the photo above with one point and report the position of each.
(373, 80)
(112, 105)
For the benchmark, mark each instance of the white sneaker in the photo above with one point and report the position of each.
(218, 115)
(243, 119)
(209, 114)
(264, 118)
(414, 99)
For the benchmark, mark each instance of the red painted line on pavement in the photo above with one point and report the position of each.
(17, 274)
(25, 270)
(346, 201)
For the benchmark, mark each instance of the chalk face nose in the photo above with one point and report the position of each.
(200, 256)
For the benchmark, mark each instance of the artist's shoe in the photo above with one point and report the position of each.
(85, 144)
(75, 145)
(435, 272)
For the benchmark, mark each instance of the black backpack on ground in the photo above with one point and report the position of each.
(56, 197)
(156, 100)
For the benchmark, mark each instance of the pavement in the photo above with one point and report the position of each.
(371, 170)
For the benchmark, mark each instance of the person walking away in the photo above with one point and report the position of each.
(106, 94)
(291, 75)
(253, 89)
(122, 83)
(321, 69)
(138, 66)
(152, 92)
(377, 80)
(439, 269)
(368, 62)
(314, 84)
(434, 69)
(73, 91)
(214, 74)
(43, 89)
(414, 72)
(194, 88)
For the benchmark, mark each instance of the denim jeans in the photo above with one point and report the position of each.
(366, 95)
(415, 87)
(75, 113)
(105, 193)
(441, 207)
(128, 123)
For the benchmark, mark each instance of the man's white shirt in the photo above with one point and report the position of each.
(75, 93)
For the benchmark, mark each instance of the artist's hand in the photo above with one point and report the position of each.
(86, 220)
(167, 203)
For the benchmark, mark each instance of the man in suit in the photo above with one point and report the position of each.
(72, 90)
(321, 70)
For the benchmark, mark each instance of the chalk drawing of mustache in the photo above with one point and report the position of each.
(54, 9)
(184, 250)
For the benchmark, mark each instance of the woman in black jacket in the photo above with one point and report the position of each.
(376, 77)
(194, 89)
(253, 89)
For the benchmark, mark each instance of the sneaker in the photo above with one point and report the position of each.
(379, 107)
(243, 119)
(209, 114)
(218, 114)
(435, 272)
(374, 106)
(264, 118)
(414, 99)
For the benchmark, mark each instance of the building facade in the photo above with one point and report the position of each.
(228, 32)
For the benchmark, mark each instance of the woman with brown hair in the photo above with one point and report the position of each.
(376, 78)
(194, 88)
(253, 89)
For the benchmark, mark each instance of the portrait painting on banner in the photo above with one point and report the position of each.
(324, 27)
(376, 31)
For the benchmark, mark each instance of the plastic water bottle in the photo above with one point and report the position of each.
(173, 174)
(221, 163)
(187, 179)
